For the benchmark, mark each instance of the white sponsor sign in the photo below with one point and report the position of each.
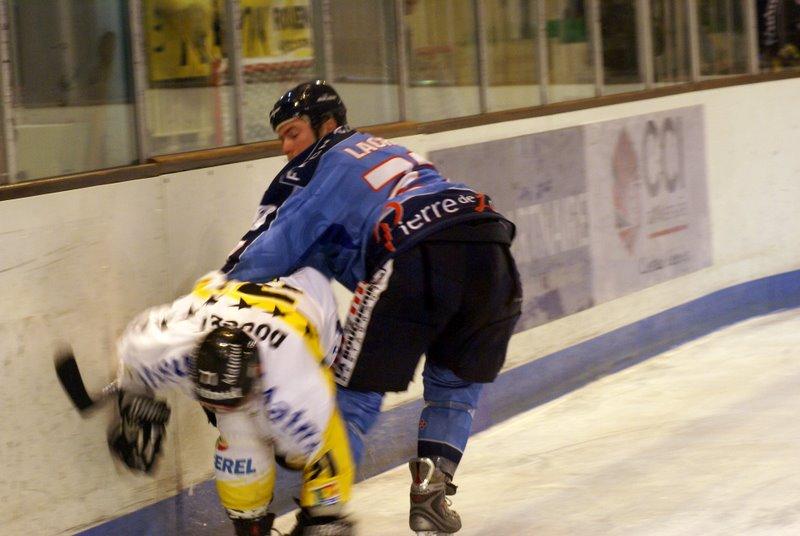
(648, 206)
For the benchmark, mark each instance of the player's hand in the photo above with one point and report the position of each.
(136, 440)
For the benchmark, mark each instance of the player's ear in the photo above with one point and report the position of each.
(327, 126)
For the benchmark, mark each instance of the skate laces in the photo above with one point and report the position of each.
(448, 508)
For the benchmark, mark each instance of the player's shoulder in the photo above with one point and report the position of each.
(307, 281)
(306, 293)
(363, 149)
(312, 292)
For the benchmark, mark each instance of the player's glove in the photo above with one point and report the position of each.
(136, 440)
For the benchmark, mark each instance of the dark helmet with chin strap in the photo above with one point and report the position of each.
(225, 368)
(315, 100)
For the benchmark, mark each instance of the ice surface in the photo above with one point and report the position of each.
(702, 440)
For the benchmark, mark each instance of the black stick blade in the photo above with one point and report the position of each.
(71, 381)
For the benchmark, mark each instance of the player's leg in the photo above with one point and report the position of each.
(245, 474)
(388, 328)
(444, 428)
(327, 484)
(469, 351)
(446, 419)
(360, 410)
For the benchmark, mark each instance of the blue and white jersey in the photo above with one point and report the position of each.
(347, 204)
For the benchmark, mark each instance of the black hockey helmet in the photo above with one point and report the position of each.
(316, 100)
(225, 367)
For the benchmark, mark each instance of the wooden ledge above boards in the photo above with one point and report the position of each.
(172, 163)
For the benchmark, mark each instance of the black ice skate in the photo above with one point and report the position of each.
(430, 513)
(330, 525)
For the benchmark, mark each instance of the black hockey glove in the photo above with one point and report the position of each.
(136, 440)
(308, 525)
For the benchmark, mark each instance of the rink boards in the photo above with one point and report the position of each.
(515, 391)
(76, 266)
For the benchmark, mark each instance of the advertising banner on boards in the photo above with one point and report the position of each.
(538, 182)
(601, 210)
(648, 202)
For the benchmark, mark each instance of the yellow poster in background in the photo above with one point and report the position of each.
(181, 38)
(276, 31)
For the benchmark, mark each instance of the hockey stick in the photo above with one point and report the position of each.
(70, 377)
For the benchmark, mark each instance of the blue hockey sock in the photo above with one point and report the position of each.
(446, 420)
(360, 410)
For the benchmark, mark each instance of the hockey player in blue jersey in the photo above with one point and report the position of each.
(429, 264)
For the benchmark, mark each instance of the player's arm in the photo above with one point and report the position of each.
(301, 226)
(153, 353)
(285, 245)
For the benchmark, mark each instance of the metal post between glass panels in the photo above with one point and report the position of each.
(66, 27)
(543, 66)
(694, 39)
(327, 41)
(644, 33)
(7, 111)
(483, 56)
(597, 45)
(233, 21)
(729, 30)
(139, 78)
(402, 60)
(751, 27)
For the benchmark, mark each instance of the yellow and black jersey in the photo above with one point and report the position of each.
(293, 320)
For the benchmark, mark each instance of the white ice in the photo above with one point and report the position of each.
(701, 440)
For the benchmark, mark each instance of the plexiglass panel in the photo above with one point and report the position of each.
(779, 34)
(670, 41)
(620, 47)
(442, 55)
(723, 42)
(363, 40)
(569, 51)
(280, 49)
(188, 98)
(511, 55)
(72, 92)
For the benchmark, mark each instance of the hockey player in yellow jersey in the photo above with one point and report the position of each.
(256, 356)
